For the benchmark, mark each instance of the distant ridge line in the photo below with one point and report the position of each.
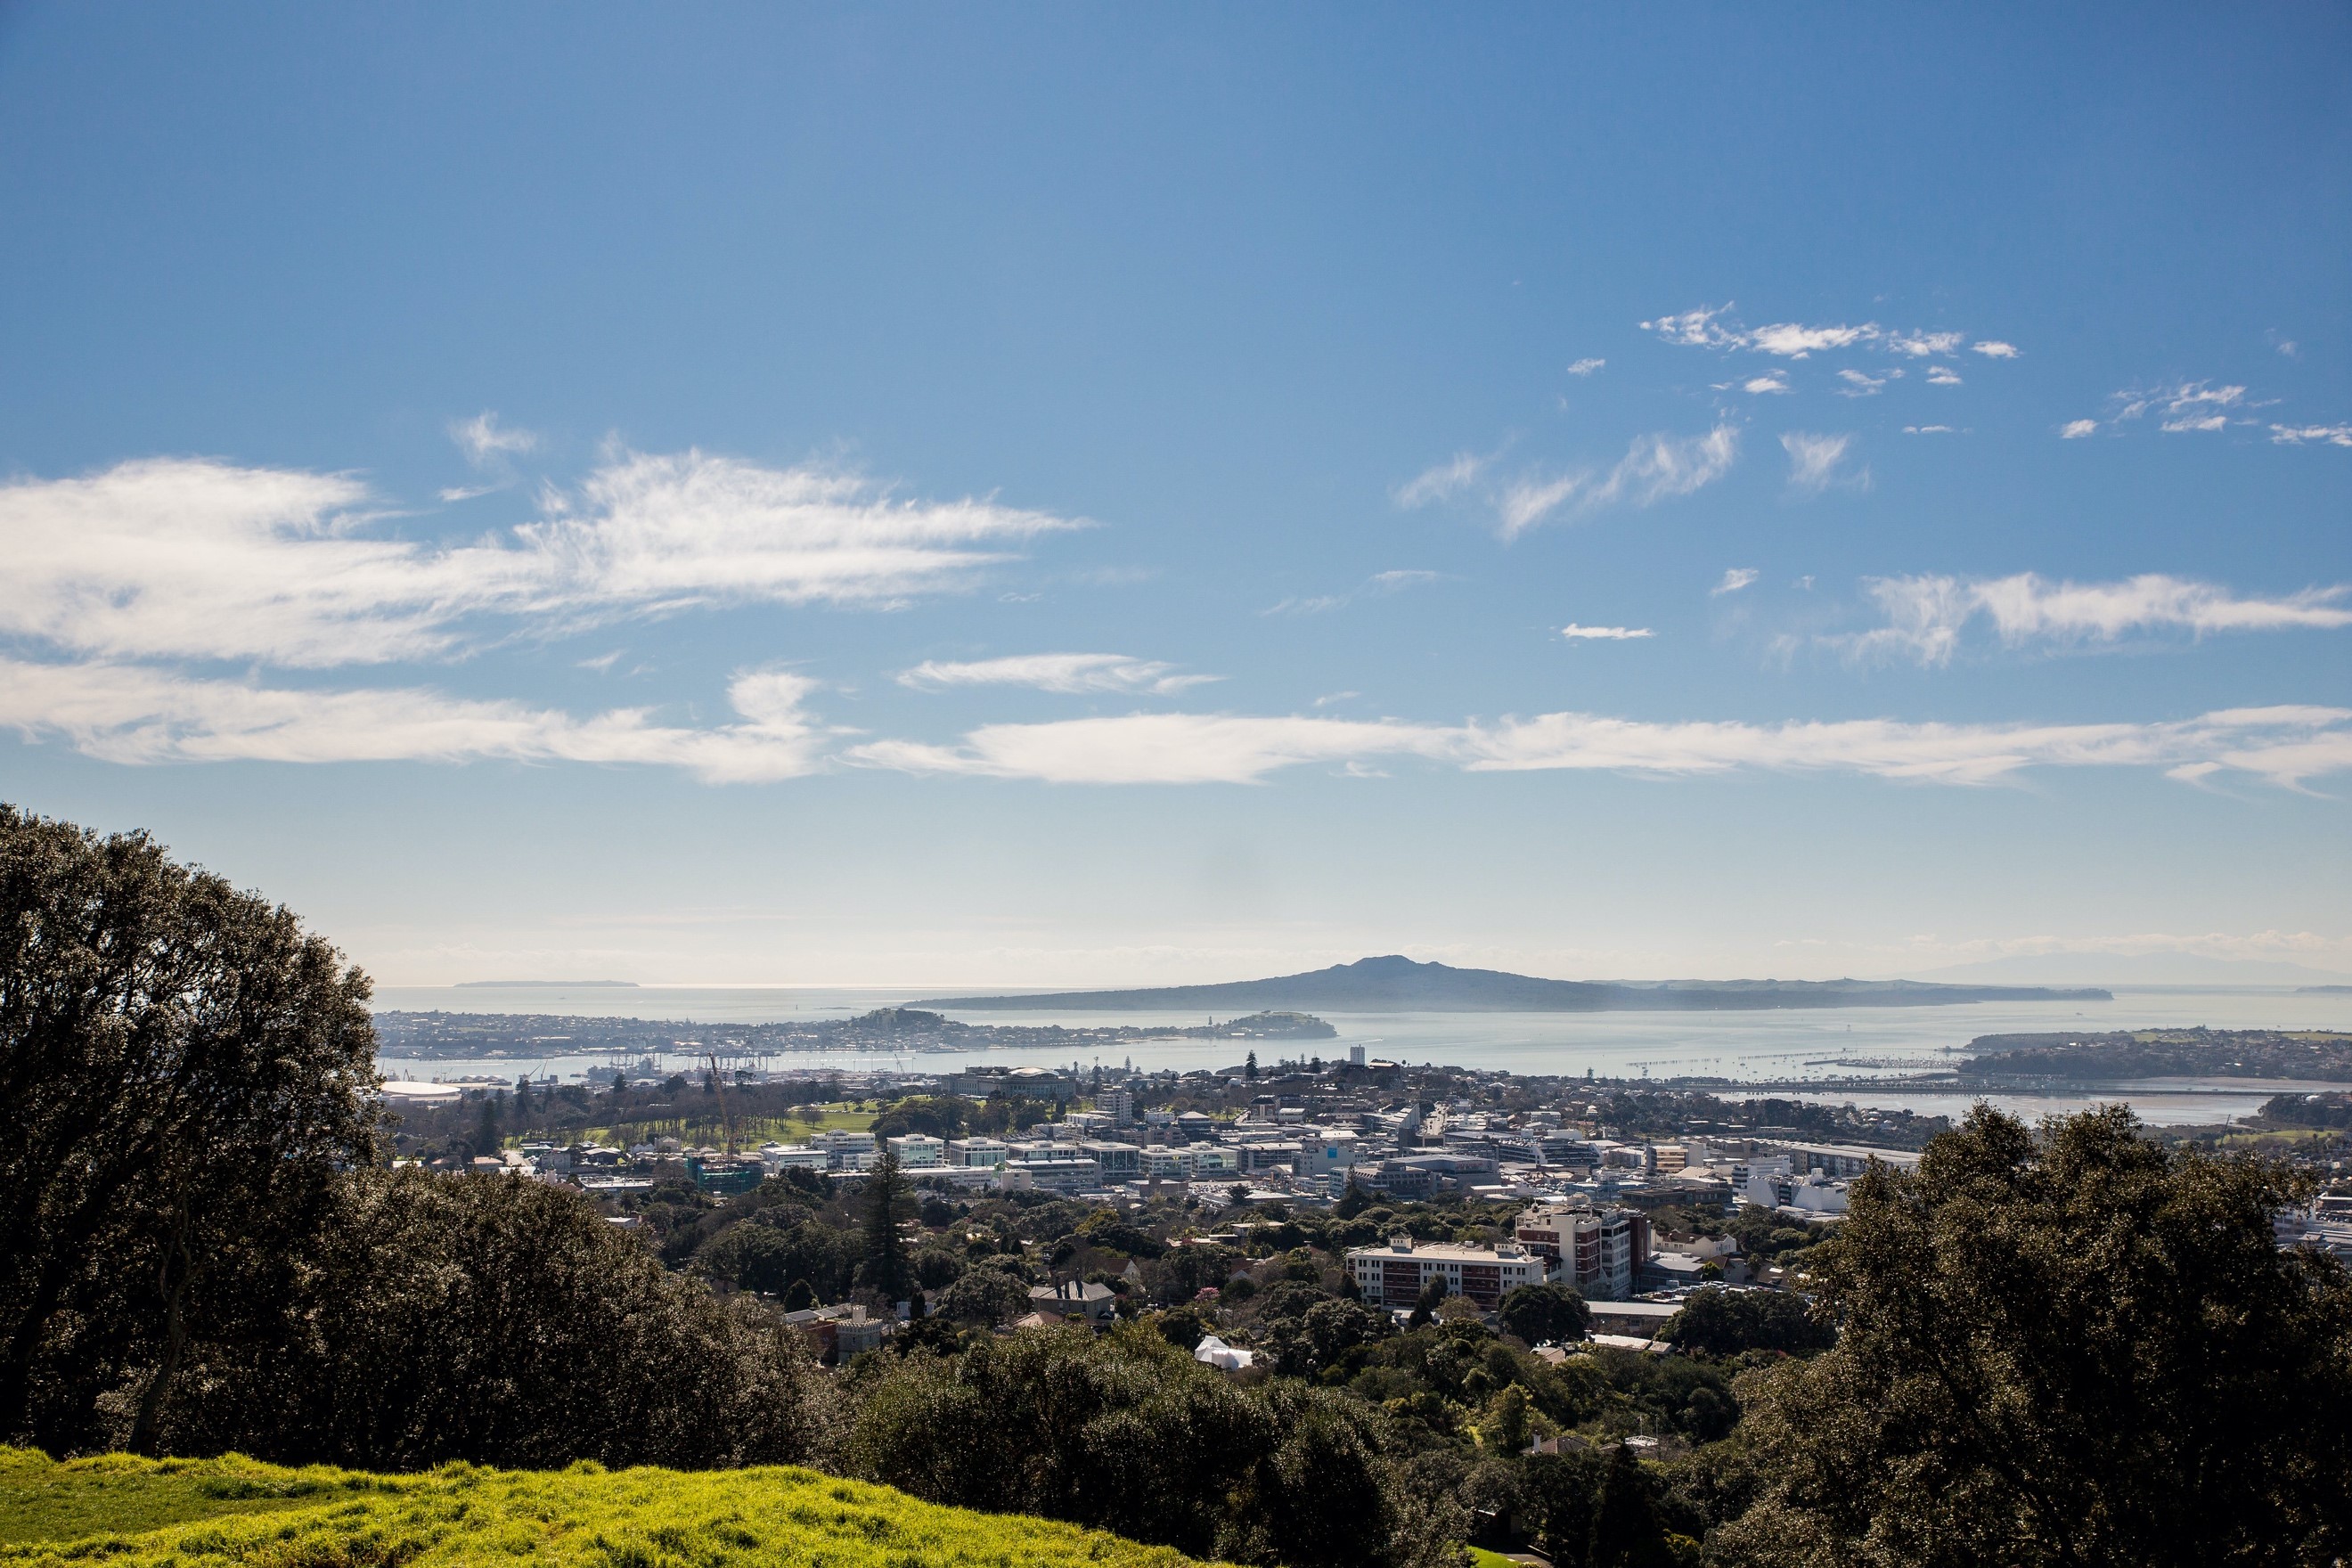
(545, 985)
(1394, 984)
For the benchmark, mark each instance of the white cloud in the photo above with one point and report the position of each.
(130, 714)
(1586, 367)
(1694, 329)
(1920, 345)
(191, 558)
(1379, 585)
(1709, 328)
(1772, 382)
(1159, 748)
(2186, 405)
(1734, 579)
(1658, 468)
(1654, 467)
(134, 715)
(1527, 501)
(1815, 462)
(2286, 745)
(2296, 435)
(2075, 429)
(1943, 375)
(1790, 341)
(1930, 430)
(1069, 673)
(1860, 385)
(1927, 615)
(1575, 633)
(483, 440)
(1443, 482)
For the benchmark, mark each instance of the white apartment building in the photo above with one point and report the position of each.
(1323, 1151)
(1395, 1275)
(919, 1151)
(1599, 1251)
(989, 1152)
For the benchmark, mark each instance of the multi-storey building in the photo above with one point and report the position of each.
(1599, 1251)
(1395, 1275)
(919, 1151)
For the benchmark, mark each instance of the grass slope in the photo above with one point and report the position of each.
(128, 1512)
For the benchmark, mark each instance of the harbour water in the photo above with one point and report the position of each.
(1781, 1048)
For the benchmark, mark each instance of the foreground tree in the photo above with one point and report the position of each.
(2080, 1349)
(184, 1075)
(503, 1322)
(1128, 1433)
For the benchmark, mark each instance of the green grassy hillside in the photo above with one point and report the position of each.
(210, 1513)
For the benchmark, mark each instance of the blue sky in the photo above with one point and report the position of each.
(935, 494)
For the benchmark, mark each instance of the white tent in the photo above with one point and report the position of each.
(1214, 1352)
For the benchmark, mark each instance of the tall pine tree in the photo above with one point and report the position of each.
(888, 1200)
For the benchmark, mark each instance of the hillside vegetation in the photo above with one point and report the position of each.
(131, 1513)
(2313, 1054)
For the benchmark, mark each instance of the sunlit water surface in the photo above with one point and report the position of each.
(1746, 1047)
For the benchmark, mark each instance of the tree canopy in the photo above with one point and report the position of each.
(2084, 1348)
(184, 1072)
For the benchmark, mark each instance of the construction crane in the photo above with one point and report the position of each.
(726, 1111)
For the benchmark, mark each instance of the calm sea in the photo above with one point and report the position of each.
(1778, 1046)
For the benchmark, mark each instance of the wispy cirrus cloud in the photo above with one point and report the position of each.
(2284, 745)
(1443, 482)
(2201, 407)
(1926, 615)
(1068, 673)
(2296, 434)
(1654, 467)
(136, 715)
(1586, 367)
(1575, 633)
(2182, 408)
(140, 715)
(1734, 579)
(1817, 462)
(483, 440)
(190, 558)
(1379, 585)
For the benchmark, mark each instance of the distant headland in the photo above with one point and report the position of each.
(1399, 984)
(544, 985)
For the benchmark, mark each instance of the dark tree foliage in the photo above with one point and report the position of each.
(984, 1295)
(2080, 1349)
(503, 1322)
(184, 1074)
(1128, 1434)
(772, 1259)
(889, 1202)
(1726, 1322)
(1537, 1313)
